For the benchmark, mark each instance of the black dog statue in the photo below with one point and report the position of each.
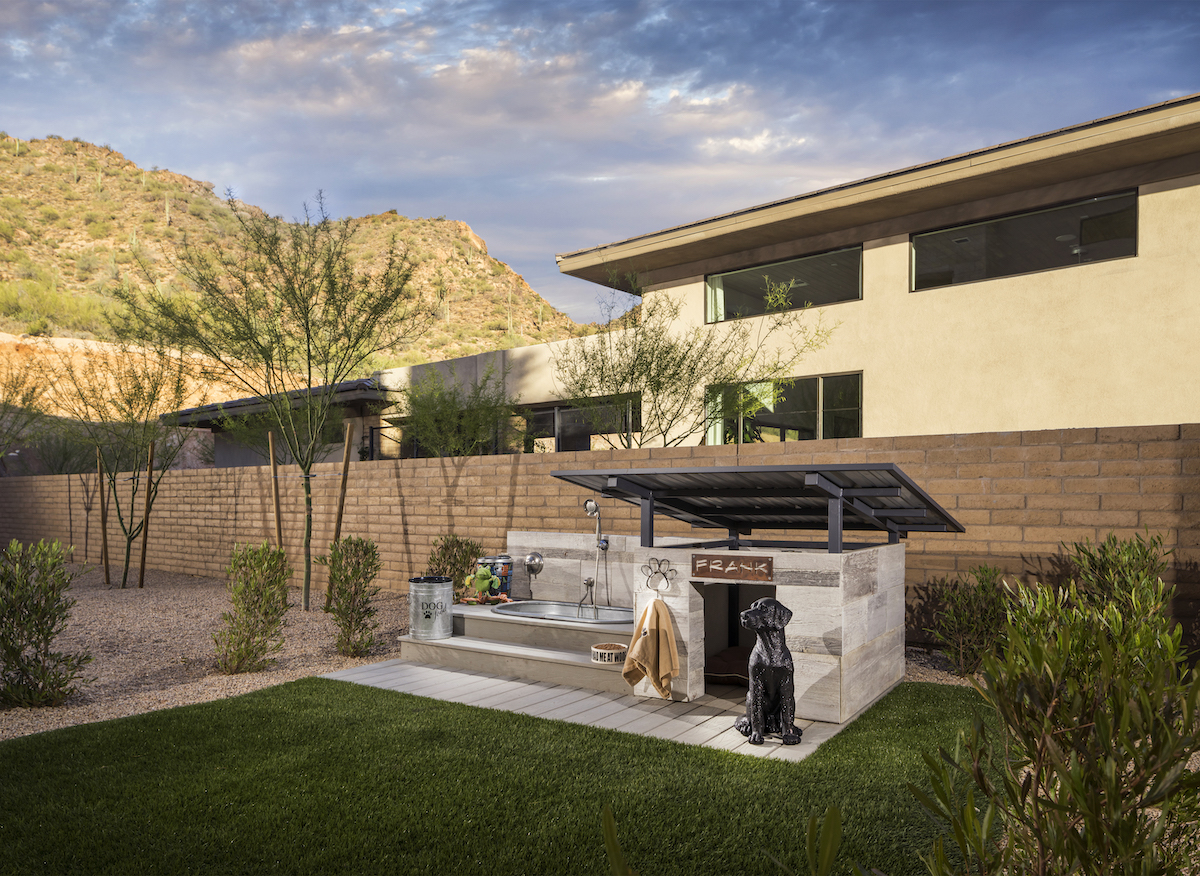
(771, 700)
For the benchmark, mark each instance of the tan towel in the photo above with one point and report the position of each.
(652, 653)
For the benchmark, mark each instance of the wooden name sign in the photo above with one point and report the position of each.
(733, 567)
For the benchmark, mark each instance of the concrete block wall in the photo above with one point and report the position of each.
(1019, 494)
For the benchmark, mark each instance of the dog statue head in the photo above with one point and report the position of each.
(766, 614)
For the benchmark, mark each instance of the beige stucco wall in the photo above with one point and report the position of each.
(1114, 342)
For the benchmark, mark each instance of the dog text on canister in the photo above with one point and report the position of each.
(733, 567)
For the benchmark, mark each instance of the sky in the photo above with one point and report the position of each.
(552, 126)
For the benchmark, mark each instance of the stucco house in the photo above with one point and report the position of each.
(1051, 282)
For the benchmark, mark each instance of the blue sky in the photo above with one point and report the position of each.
(555, 126)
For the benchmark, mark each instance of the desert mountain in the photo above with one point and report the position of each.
(74, 217)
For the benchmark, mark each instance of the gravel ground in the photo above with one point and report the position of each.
(153, 649)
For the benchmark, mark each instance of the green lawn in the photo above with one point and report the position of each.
(320, 776)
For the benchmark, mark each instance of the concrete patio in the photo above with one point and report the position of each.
(708, 721)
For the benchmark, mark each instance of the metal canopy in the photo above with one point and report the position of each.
(740, 499)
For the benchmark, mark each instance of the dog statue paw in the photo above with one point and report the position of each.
(793, 736)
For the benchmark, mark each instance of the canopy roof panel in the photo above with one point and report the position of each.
(875, 497)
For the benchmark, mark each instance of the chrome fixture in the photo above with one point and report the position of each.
(534, 564)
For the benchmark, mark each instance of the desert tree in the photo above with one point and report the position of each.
(449, 417)
(644, 356)
(21, 394)
(123, 399)
(283, 314)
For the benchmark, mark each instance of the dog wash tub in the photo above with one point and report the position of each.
(429, 601)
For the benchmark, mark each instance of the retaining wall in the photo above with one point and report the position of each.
(1019, 494)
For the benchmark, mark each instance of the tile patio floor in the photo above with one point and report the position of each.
(708, 721)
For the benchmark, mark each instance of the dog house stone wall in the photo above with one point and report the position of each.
(846, 634)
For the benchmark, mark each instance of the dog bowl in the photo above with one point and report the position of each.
(608, 652)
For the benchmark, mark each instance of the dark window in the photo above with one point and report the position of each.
(1073, 234)
(817, 280)
(796, 410)
(572, 428)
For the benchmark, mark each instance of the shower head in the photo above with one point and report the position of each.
(592, 509)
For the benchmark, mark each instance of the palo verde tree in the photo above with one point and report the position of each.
(21, 391)
(284, 315)
(123, 399)
(645, 357)
(446, 418)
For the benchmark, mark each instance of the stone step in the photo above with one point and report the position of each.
(480, 622)
(535, 662)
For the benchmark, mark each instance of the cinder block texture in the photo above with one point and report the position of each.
(1020, 495)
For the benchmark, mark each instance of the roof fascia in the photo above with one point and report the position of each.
(1152, 133)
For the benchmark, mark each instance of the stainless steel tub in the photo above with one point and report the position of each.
(566, 611)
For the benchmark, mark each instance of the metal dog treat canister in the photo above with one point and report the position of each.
(429, 601)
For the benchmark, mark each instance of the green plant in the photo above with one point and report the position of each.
(671, 370)
(258, 578)
(34, 609)
(444, 418)
(969, 621)
(353, 564)
(284, 313)
(454, 557)
(39, 328)
(1103, 569)
(1098, 716)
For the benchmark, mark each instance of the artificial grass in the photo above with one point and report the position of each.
(320, 776)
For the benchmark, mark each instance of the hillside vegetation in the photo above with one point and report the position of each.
(75, 219)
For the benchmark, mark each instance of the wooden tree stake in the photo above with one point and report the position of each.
(146, 516)
(337, 526)
(275, 490)
(103, 519)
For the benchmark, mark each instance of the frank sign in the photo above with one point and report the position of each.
(733, 567)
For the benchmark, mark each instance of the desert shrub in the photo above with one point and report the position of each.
(38, 328)
(969, 620)
(99, 229)
(34, 609)
(353, 564)
(1098, 715)
(1104, 569)
(454, 558)
(258, 577)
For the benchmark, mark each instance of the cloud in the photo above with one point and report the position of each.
(551, 127)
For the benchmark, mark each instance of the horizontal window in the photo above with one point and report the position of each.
(561, 427)
(817, 279)
(1072, 234)
(794, 410)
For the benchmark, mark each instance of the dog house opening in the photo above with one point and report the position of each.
(727, 644)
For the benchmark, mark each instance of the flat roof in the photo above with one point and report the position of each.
(345, 394)
(1157, 132)
(874, 497)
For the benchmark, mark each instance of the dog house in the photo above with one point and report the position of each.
(846, 634)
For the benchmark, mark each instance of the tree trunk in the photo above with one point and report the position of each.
(307, 537)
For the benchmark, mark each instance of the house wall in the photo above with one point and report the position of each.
(1104, 343)
(1109, 342)
(1019, 495)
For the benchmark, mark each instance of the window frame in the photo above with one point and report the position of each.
(963, 226)
(708, 278)
(717, 420)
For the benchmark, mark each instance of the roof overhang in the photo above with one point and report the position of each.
(1163, 131)
(869, 497)
(349, 394)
